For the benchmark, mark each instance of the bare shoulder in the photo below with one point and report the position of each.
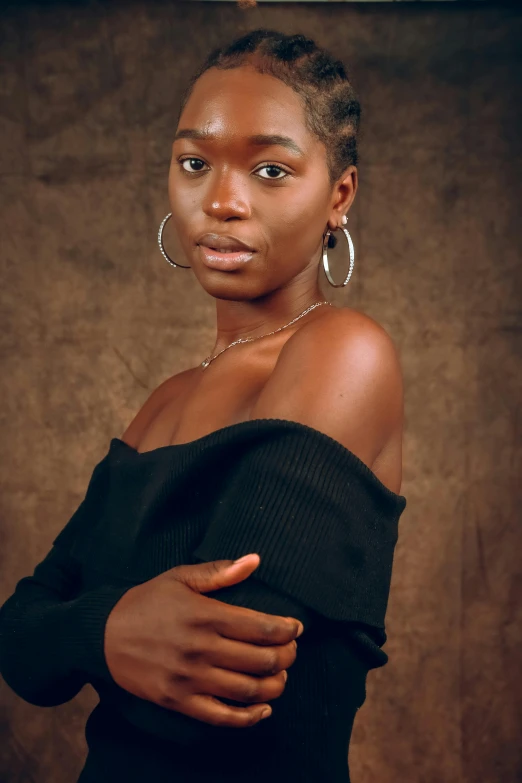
(340, 374)
(340, 341)
(341, 327)
(169, 389)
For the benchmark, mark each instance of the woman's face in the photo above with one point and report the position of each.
(275, 198)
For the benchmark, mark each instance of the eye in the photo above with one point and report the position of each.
(269, 166)
(190, 160)
(273, 167)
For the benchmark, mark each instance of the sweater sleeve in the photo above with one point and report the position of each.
(323, 525)
(51, 632)
(50, 640)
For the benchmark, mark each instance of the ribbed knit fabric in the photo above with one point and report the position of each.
(325, 528)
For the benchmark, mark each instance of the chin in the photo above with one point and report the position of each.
(229, 286)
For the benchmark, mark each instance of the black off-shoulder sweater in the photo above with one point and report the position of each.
(325, 528)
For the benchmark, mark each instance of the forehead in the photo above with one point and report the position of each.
(241, 102)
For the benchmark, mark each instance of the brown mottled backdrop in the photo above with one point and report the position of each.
(93, 318)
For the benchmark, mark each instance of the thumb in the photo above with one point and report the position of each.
(205, 577)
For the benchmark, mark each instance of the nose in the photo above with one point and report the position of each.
(226, 198)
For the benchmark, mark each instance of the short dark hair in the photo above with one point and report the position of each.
(332, 109)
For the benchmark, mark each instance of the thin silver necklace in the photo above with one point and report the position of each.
(210, 359)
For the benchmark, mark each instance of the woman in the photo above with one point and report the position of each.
(283, 445)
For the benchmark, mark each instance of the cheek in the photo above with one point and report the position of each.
(301, 208)
(176, 196)
(297, 224)
(183, 211)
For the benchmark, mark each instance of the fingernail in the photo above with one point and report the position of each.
(285, 675)
(266, 712)
(301, 629)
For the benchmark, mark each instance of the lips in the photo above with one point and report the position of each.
(224, 243)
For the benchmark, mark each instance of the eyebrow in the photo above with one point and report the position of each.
(260, 139)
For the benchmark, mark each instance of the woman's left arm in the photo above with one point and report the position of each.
(341, 375)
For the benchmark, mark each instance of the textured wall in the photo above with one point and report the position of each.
(92, 318)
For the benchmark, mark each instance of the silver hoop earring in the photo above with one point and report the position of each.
(160, 243)
(325, 256)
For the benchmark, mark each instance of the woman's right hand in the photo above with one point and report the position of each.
(167, 643)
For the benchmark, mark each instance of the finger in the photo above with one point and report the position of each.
(210, 710)
(248, 658)
(249, 625)
(206, 577)
(240, 687)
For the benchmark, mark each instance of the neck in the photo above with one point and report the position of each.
(253, 318)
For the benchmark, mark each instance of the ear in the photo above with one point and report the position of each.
(343, 194)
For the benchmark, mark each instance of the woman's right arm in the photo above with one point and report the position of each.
(51, 642)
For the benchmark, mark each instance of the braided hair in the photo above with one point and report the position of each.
(332, 110)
